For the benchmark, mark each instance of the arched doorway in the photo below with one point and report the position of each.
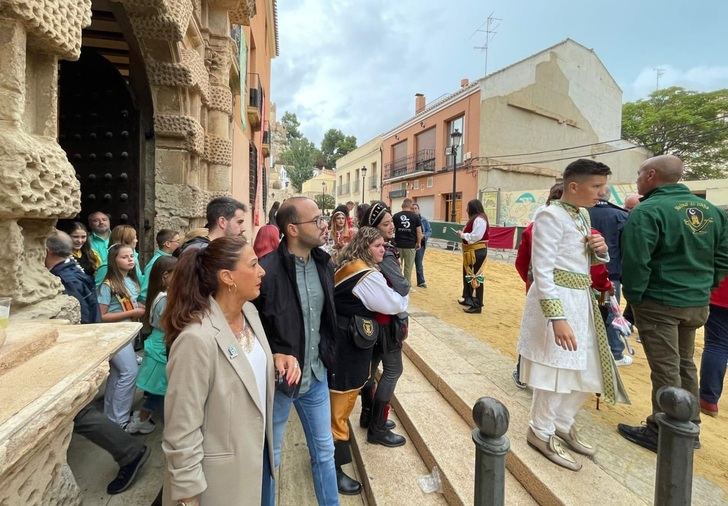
(105, 121)
(99, 130)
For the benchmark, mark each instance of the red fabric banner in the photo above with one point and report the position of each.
(502, 237)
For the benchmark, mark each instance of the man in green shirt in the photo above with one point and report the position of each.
(674, 251)
(167, 241)
(100, 225)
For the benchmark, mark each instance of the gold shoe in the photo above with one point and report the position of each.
(552, 450)
(572, 440)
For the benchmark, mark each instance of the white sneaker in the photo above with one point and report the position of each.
(136, 426)
(625, 360)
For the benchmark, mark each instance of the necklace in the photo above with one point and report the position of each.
(245, 337)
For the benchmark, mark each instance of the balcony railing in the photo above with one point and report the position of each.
(374, 183)
(343, 189)
(355, 187)
(266, 139)
(422, 161)
(255, 100)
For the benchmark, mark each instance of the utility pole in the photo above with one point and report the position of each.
(491, 23)
(659, 71)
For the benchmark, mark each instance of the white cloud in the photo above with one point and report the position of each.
(701, 78)
(356, 65)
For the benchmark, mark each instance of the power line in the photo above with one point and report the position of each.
(717, 118)
(586, 155)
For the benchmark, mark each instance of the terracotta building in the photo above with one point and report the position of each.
(414, 159)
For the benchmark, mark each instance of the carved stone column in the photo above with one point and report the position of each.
(37, 183)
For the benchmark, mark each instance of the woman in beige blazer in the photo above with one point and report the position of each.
(218, 407)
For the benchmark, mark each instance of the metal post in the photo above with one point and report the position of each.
(454, 189)
(491, 447)
(675, 445)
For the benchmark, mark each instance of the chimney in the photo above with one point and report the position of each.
(464, 83)
(419, 103)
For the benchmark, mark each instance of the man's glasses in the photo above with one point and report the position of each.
(319, 221)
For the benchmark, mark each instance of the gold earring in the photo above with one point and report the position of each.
(230, 288)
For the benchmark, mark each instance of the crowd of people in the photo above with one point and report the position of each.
(238, 333)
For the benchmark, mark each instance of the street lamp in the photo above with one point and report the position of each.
(456, 137)
(363, 178)
(323, 196)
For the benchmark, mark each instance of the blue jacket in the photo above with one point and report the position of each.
(78, 284)
(609, 219)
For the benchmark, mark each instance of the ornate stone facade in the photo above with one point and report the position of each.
(191, 69)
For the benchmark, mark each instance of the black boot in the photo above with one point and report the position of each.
(378, 433)
(367, 399)
(342, 455)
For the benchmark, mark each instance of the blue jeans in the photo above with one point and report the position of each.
(715, 355)
(268, 492)
(314, 410)
(419, 255)
(615, 342)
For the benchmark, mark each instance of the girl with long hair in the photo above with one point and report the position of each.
(118, 303)
(127, 236)
(388, 350)
(475, 250)
(218, 409)
(363, 303)
(152, 377)
(86, 257)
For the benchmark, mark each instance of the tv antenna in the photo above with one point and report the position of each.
(491, 24)
(659, 71)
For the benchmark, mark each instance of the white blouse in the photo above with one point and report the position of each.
(377, 296)
(479, 228)
(257, 361)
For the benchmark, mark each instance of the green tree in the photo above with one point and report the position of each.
(290, 122)
(688, 124)
(325, 201)
(334, 145)
(299, 158)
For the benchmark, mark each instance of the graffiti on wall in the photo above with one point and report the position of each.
(518, 207)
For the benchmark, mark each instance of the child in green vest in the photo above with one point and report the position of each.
(152, 376)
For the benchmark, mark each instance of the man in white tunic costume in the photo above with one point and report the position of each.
(563, 342)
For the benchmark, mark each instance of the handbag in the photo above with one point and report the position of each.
(364, 331)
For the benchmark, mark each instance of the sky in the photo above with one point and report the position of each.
(356, 65)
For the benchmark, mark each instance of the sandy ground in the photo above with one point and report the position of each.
(498, 325)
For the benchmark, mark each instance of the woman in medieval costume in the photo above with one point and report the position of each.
(475, 250)
(362, 297)
(341, 232)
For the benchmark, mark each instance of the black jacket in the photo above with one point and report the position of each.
(609, 219)
(81, 286)
(279, 304)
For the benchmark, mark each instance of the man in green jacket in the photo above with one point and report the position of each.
(675, 250)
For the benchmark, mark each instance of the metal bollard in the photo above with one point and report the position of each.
(491, 447)
(674, 475)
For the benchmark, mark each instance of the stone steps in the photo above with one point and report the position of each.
(443, 438)
(447, 374)
(389, 475)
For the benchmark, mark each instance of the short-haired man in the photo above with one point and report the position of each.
(296, 306)
(407, 236)
(225, 218)
(77, 284)
(420, 253)
(100, 225)
(675, 250)
(167, 242)
(128, 452)
(563, 344)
